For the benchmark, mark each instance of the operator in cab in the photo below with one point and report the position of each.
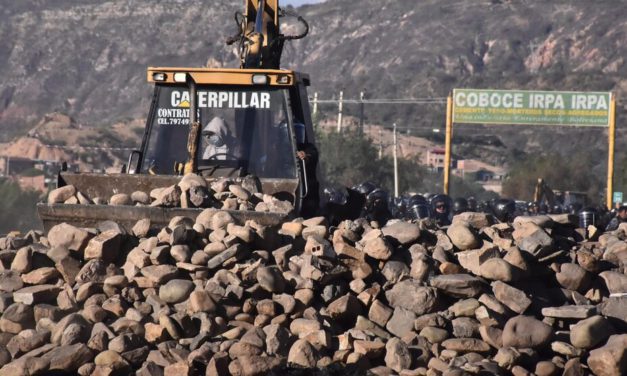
(217, 140)
(308, 153)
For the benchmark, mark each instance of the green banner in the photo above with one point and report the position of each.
(580, 109)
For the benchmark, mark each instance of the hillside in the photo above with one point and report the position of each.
(87, 59)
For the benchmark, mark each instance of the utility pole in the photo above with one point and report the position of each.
(380, 144)
(315, 104)
(395, 162)
(361, 112)
(340, 106)
(314, 113)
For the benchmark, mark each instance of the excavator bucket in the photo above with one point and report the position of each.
(106, 185)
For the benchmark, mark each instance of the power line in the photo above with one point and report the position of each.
(79, 147)
(383, 101)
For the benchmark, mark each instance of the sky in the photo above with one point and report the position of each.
(299, 2)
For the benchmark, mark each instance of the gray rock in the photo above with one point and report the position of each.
(394, 271)
(616, 308)
(10, 281)
(513, 298)
(472, 260)
(531, 238)
(60, 195)
(16, 318)
(397, 355)
(168, 197)
(345, 309)
(410, 295)
(609, 360)
(219, 259)
(465, 327)
(497, 269)
(278, 340)
(68, 358)
(401, 322)
(573, 277)
(615, 282)
(271, 279)
(36, 294)
(302, 327)
(23, 260)
(378, 248)
(105, 246)
(402, 232)
(466, 345)
(458, 285)
(570, 311)
(176, 291)
(475, 220)
(69, 237)
(379, 313)
(433, 334)
(588, 333)
(302, 354)
(140, 197)
(120, 199)
(160, 273)
(526, 332)
(462, 236)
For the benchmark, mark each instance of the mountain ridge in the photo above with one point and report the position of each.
(88, 58)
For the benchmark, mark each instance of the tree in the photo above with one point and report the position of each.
(350, 158)
(568, 174)
(17, 208)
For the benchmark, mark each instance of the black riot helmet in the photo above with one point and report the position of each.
(365, 188)
(557, 209)
(460, 205)
(399, 205)
(504, 210)
(472, 204)
(417, 207)
(377, 200)
(588, 216)
(335, 196)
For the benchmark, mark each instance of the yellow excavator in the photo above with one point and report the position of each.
(233, 122)
(543, 194)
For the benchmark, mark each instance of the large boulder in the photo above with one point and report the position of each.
(611, 359)
(462, 236)
(526, 332)
(410, 295)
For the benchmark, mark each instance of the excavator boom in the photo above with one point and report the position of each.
(260, 39)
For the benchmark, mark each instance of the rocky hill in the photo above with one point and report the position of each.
(88, 58)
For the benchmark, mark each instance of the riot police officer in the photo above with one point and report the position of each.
(441, 209)
(417, 207)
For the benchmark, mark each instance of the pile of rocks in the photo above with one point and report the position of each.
(213, 297)
(192, 191)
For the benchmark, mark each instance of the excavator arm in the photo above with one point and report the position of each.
(259, 36)
(543, 192)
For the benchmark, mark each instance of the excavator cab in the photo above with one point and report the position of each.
(245, 129)
(245, 124)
